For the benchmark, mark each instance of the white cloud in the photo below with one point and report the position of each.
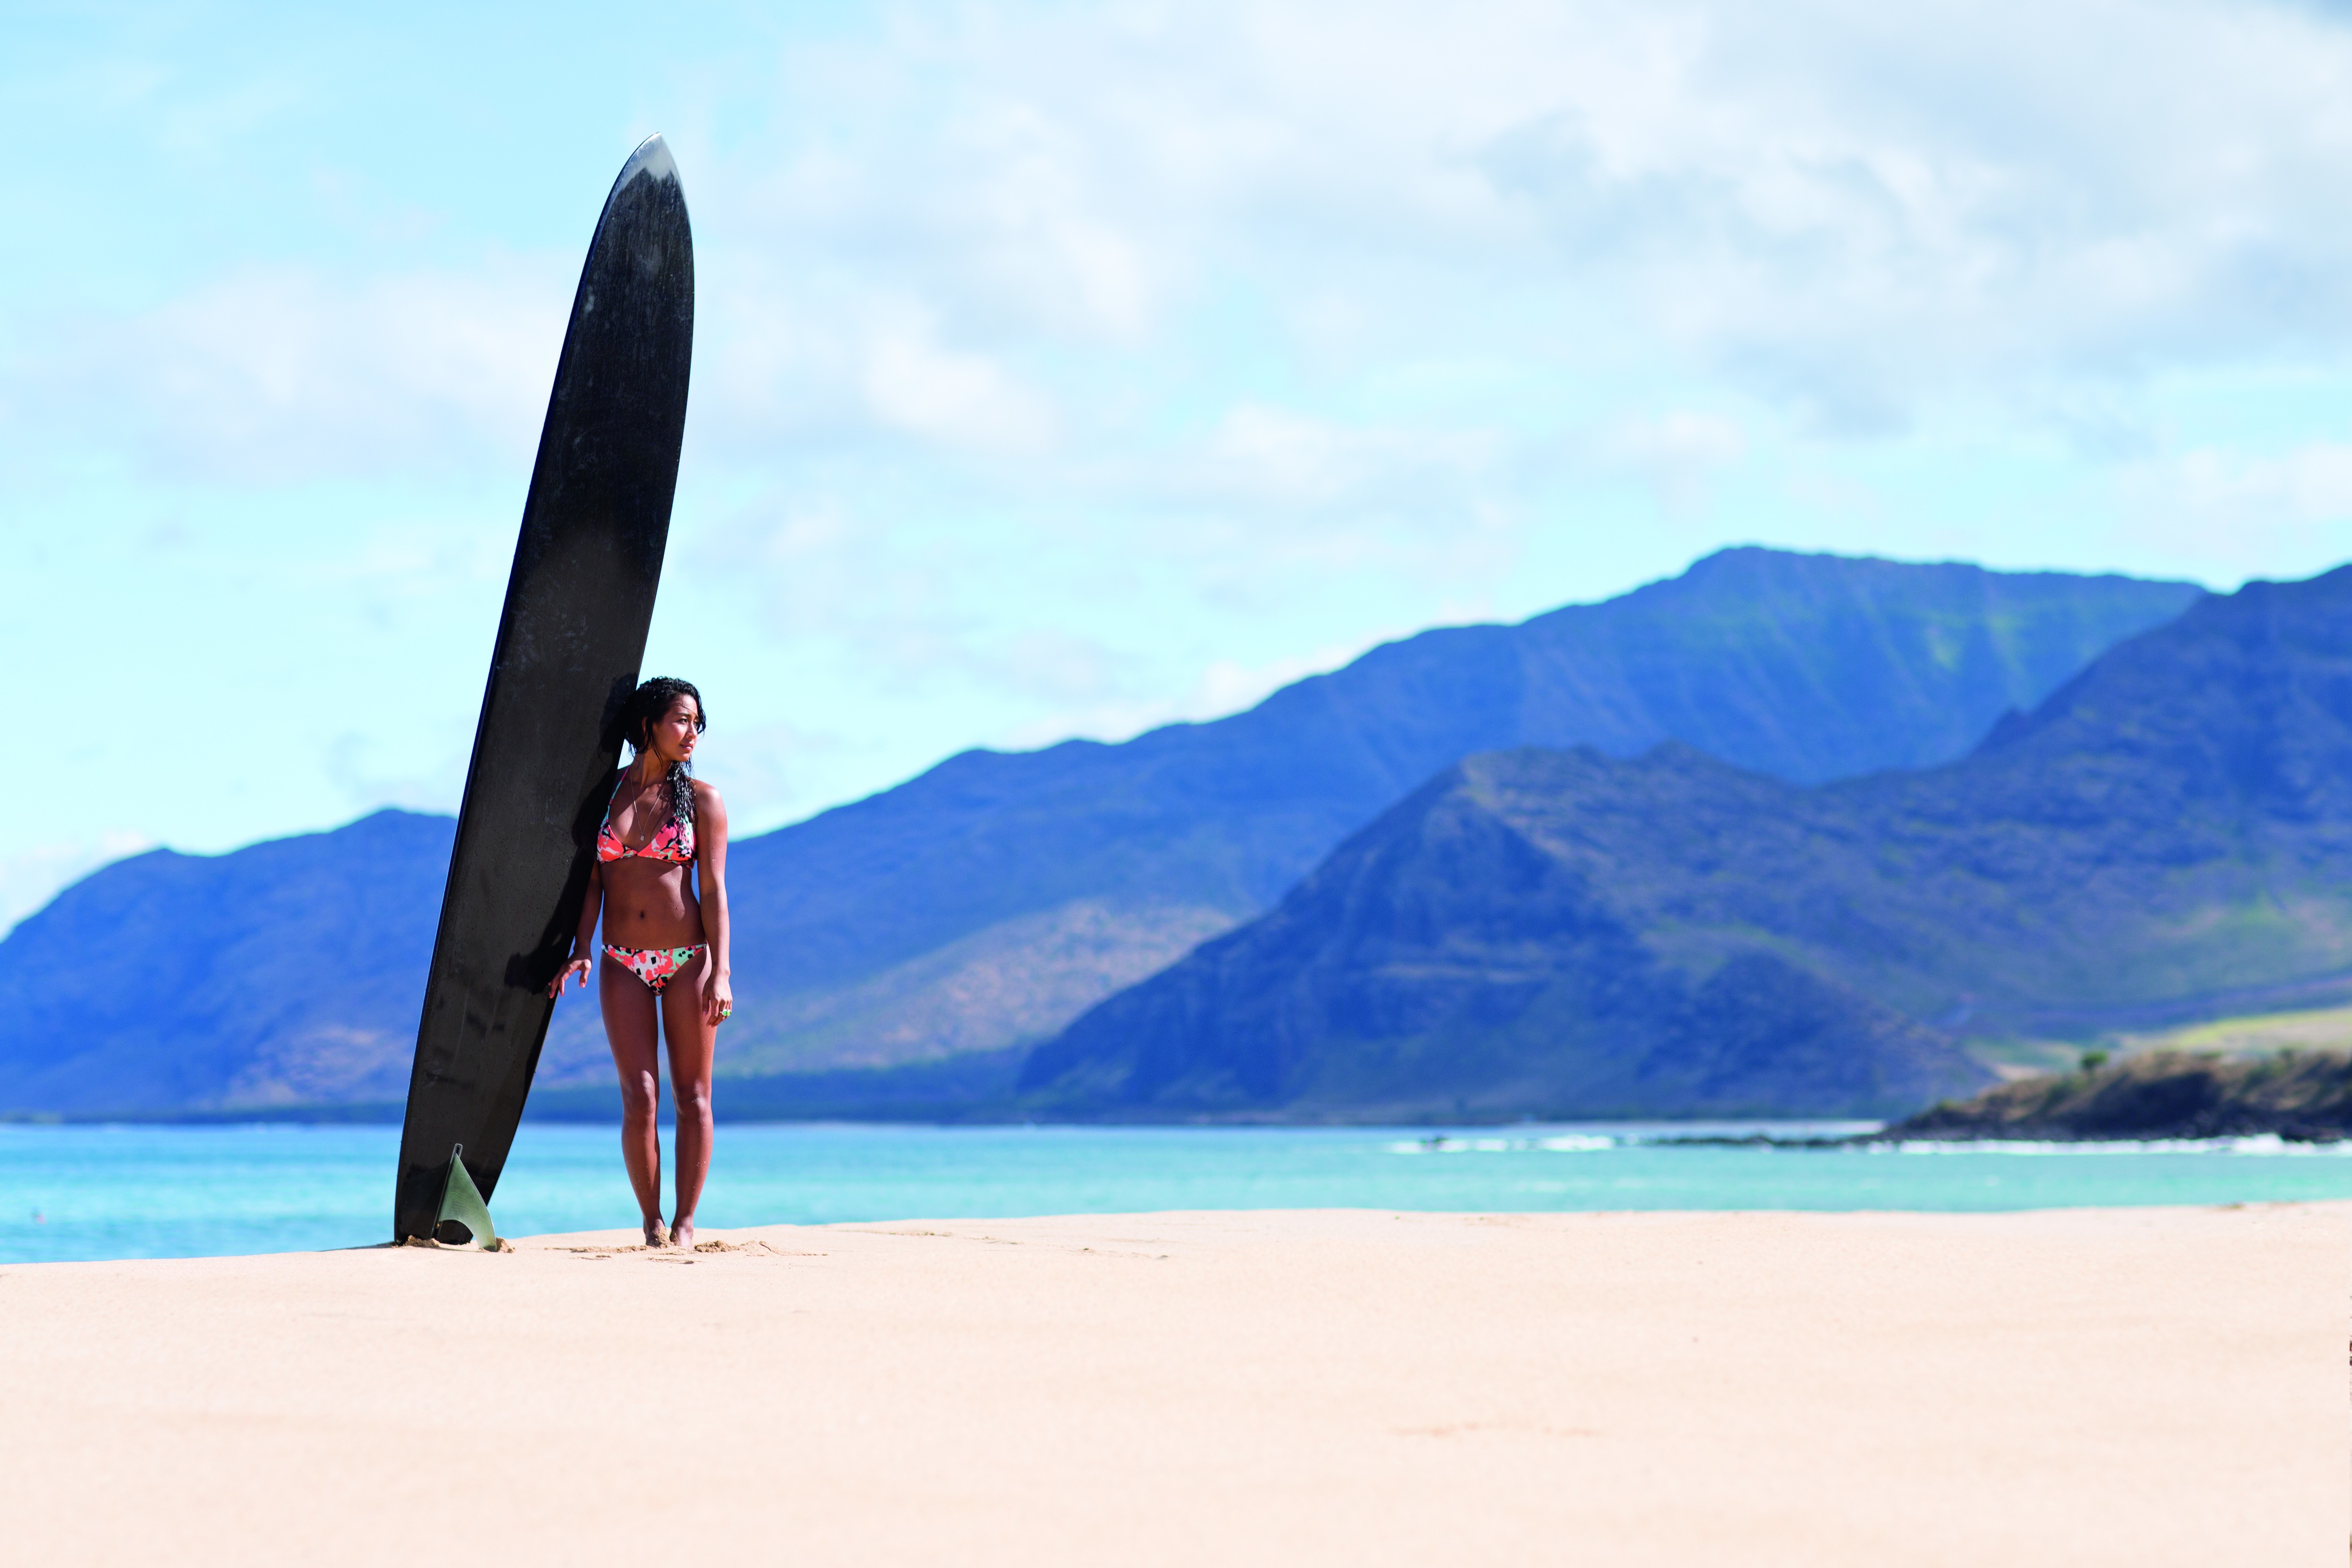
(2246, 513)
(284, 373)
(1302, 462)
(1016, 229)
(1833, 205)
(30, 876)
(1676, 452)
(961, 399)
(1052, 355)
(368, 780)
(2313, 483)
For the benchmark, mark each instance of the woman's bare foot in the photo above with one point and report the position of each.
(655, 1235)
(681, 1233)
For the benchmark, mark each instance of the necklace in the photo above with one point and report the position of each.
(636, 800)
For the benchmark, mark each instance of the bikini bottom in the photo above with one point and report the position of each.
(655, 965)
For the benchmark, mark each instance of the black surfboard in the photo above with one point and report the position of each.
(569, 641)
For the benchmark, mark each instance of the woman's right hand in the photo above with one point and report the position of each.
(564, 977)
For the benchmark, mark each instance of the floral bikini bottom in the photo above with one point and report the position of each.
(655, 965)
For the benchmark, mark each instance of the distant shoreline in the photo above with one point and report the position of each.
(2299, 1096)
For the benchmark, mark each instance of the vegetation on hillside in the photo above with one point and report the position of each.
(989, 901)
(2160, 1094)
(2169, 835)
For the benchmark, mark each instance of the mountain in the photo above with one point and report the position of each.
(1569, 933)
(287, 972)
(992, 900)
(986, 903)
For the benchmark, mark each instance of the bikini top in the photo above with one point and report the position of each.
(674, 843)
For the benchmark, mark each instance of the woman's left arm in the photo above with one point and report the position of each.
(718, 929)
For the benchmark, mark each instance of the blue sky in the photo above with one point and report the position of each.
(1068, 369)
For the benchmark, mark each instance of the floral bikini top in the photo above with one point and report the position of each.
(674, 843)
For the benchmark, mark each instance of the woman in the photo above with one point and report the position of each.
(664, 969)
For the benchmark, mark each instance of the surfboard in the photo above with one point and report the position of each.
(569, 640)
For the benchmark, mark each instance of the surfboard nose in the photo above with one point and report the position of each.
(652, 158)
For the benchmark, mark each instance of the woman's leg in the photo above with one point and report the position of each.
(691, 1041)
(630, 1027)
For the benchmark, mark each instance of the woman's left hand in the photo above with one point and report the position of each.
(718, 1000)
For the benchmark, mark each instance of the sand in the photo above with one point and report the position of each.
(2119, 1386)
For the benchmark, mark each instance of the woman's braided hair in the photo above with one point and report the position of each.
(646, 706)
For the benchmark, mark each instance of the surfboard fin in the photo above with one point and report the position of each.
(462, 1206)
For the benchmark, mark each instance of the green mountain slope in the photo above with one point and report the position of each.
(1012, 891)
(986, 903)
(2169, 835)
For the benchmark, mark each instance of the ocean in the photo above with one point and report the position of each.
(107, 1192)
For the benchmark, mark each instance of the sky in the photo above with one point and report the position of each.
(1070, 369)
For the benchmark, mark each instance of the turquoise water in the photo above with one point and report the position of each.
(169, 1192)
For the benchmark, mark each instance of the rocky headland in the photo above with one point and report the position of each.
(2301, 1095)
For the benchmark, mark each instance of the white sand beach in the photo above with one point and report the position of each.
(2073, 1387)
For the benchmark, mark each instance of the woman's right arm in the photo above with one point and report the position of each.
(584, 941)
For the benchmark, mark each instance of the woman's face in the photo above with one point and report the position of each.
(674, 734)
